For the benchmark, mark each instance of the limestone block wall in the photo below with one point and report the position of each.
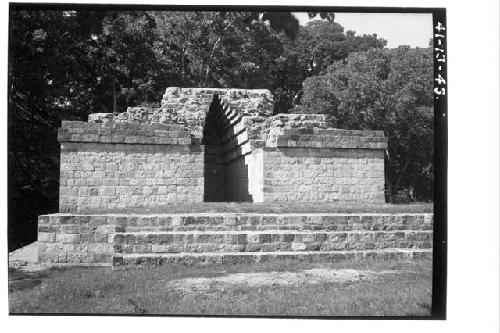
(190, 106)
(241, 182)
(226, 121)
(128, 165)
(75, 239)
(314, 165)
(232, 115)
(256, 174)
(116, 239)
(323, 175)
(248, 154)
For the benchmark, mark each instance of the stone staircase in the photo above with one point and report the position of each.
(235, 238)
(122, 240)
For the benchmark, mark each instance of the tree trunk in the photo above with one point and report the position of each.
(388, 176)
(390, 189)
(114, 96)
(213, 52)
(182, 66)
(402, 173)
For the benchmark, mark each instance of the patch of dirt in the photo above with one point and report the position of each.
(262, 279)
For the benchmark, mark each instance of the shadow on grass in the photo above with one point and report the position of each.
(20, 279)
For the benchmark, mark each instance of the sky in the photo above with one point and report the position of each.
(397, 28)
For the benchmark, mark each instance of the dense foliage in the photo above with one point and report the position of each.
(317, 46)
(67, 64)
(389, 90)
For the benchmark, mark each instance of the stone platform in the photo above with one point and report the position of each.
(203, 238)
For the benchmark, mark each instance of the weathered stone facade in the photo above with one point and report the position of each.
(128, 165)
(120, 239)
(209, 145)
(323, 175)
(215, 145)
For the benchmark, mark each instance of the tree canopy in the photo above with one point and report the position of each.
(389, 90)
(318, 45)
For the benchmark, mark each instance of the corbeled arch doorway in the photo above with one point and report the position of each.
(225, 171)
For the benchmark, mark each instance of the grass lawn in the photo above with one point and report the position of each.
(404, 291)
(276, 208)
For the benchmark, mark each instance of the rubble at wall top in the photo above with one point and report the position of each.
(227, 92)
(242, 109)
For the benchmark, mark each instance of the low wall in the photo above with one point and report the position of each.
(127, 165)
(323, 175)
(316, 165)
(75, 239)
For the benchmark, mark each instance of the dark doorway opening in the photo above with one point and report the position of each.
(214, 163)
(225, 170)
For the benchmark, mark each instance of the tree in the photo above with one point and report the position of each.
(318, 45)
(329, 16)
(131, 72)
(218, 49)
(389, 90)
(50, 77)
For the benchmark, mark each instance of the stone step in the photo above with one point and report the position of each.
(261, 257)
(258, 222)
(268, 241)
(97, 238)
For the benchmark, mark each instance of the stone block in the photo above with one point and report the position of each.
(49, 237)
(67, 238)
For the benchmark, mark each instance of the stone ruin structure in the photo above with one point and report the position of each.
(213, 145)
(219, 145)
